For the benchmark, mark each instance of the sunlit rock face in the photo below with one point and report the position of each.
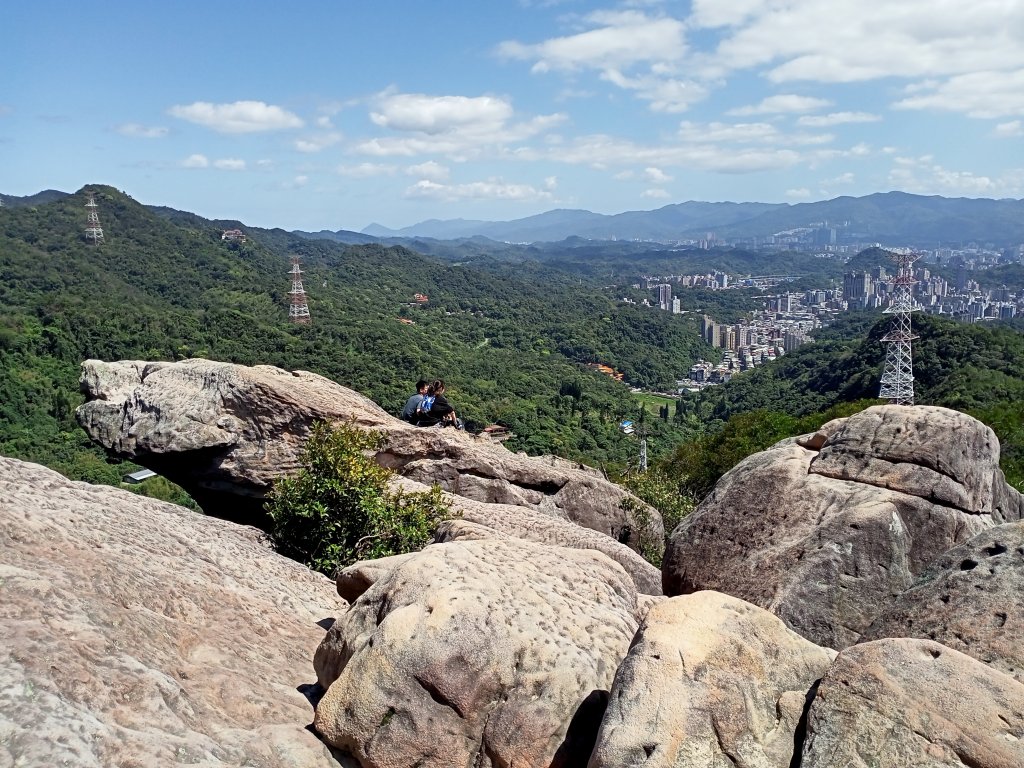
(140, 633)
(226, 432)
(826, 530)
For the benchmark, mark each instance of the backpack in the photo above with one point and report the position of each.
(425, 404)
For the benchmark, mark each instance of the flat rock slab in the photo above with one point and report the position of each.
(709, 680)
(970, 599)
(903, 703)
(486, 653)
(140, 633)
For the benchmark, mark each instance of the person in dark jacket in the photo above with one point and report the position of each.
(441, 412)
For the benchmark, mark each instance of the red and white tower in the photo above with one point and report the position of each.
(93, 230)
(298, 310)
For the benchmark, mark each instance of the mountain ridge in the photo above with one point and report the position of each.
(896, 215)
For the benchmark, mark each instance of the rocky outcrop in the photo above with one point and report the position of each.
(914, 703)
(709, 680)
(140, 633)
(532, 525)
(494, 652)
(970, 599)
(826, 530)
(225, 432)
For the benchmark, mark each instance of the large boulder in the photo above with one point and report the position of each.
(226, 432)
(487, 653)
(971, 599)
(826, 530)
(709, 680)
(140, 633)
(534, 525)
(905, 703)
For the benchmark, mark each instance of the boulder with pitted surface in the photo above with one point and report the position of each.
(490, 652)
(826, 530)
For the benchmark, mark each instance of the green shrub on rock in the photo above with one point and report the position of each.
(338, 508)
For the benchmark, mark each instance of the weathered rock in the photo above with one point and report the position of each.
(225, 432)
(355, 579)
(709, 680)
(913, 703)
(941, 455)
(821, 541)
(485, 653)
(970, 599)
(534, 525)
(139, 633)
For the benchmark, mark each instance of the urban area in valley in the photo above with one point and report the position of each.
(787, 318)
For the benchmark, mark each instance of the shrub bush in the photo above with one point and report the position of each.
(338, 508)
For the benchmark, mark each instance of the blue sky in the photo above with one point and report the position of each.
(338, 114)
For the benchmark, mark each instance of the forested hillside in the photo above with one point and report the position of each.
(974, 368)
(164, 286)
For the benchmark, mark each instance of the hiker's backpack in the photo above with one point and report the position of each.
(425, 404)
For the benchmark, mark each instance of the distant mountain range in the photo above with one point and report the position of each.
(892, 218)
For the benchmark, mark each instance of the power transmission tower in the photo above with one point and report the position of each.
(93, 230)
(898, 374)
(298, 311)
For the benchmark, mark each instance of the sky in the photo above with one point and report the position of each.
(335, 115)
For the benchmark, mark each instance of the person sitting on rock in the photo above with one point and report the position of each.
(441, 412)
(412, 405)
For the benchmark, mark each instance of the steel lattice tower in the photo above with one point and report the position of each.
(93, 230)
(898, 375)
(298, 310)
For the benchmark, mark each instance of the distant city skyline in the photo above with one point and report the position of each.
(337, 116)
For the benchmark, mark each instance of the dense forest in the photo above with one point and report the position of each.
(512, 340)
(512, 336)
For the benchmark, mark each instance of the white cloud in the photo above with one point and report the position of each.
(630, 49)
(318, 142)
(429, 170)
(195, 161)
(747, 133)
(656, 176)
(922, 175)
(300, 181)
(843, 178)
(978, 94)
(229, 164)
(656, 193)
(1008, 130)
(142, 131)
(434, 115)
(601, 151)
(726, 132)
(801, 193)
(457, 127)
(665, 94)
(494, 189)
(846, 41)
(237, 117)
(366, 170)
(715, 13)
(786, 102)
(617, 40)
(837, 118)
